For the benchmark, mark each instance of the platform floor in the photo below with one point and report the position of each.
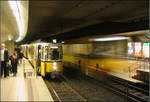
(127, 77)
(24, 89)
(144, 70)
(134, 65)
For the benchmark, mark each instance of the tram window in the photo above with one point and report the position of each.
(55, 54)
(39, 52)
(46, 53)
(43, 53)
(49, 54)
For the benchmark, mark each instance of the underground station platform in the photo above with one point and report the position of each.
(25, 86)
(76, 50)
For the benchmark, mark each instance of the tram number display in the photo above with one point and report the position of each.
(146, 49)
(138, 49)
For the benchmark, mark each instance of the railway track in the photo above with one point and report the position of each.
(131, 92)
(61, 91)
(125, 89)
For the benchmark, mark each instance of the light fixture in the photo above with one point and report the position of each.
(16, 8)
(25, 45)
(63, 42)
(36, 44)
(109, 38)
(9, 38)
(55, 65)
(148, 35)
(54, 47)
(54, 40)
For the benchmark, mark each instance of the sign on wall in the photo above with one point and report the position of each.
(146, 49)
(138, 49)
(130, 48)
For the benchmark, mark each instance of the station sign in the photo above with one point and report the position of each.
(130, 48)
(146, 49)
(138, 49)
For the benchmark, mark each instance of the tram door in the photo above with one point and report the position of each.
(39, 56)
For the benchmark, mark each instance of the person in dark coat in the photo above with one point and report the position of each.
(14, 63)
(21, 55)
(4, 60)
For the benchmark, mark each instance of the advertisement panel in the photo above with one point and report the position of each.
(138, 49)
(130, 49)
(146, 49)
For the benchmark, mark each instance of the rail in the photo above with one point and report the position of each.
(62, 91)
(29, 61)
(122, 87)
(129, 91)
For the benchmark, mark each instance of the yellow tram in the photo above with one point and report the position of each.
(45, 57)
(51, 60)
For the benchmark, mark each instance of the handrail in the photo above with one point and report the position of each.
(29, 61)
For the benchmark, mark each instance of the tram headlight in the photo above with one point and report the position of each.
(55, 65)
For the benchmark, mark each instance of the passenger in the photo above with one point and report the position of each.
(21, 55)
(10, 66)
(4, 60)
(14, 62)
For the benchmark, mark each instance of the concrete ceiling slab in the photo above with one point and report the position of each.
(49, 18)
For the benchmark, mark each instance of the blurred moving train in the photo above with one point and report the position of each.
(117, 58)
(99, 68)
(45, 57)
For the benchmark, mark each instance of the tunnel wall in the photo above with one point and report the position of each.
(10, 46)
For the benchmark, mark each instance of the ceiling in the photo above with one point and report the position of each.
(9, 24)
(132, 35)
(66, 19)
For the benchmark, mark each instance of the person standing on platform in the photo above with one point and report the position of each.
(21, 55)
(14, 63)
(4, 60)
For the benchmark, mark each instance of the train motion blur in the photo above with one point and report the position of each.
(121, 58)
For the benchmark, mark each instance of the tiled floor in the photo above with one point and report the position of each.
(24, 89)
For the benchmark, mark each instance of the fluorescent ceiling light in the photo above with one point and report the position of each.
(109, 39)
(54, 40)
(16, 9)
(63, 42)
(9, 38)
(54, 47)
(38, 43)
(25, 45)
